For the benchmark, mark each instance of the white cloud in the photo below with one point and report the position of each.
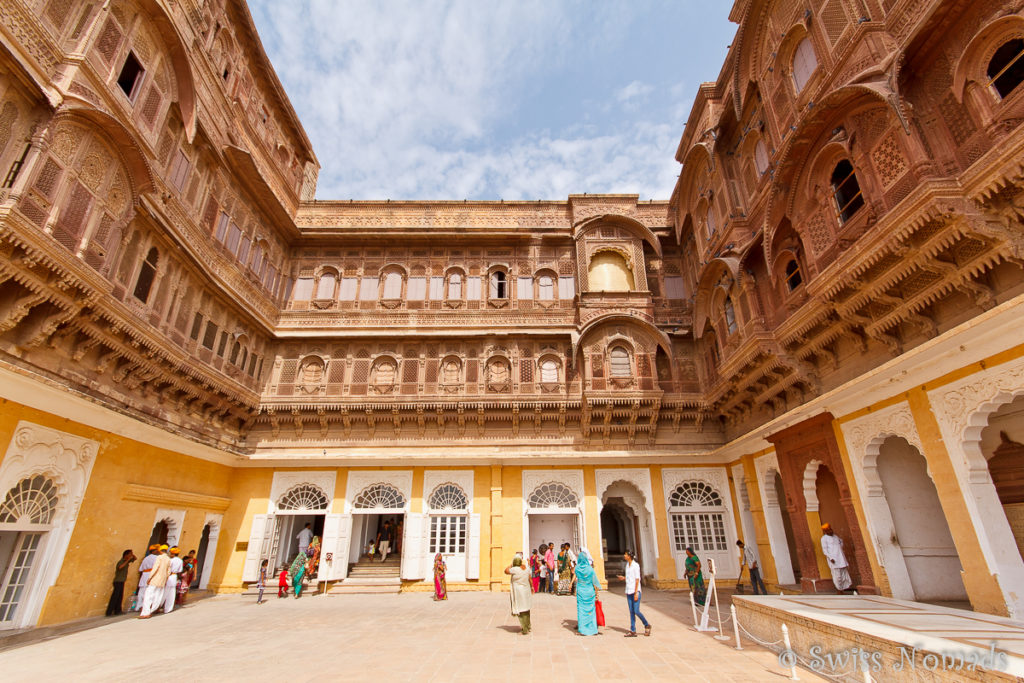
(415, 101)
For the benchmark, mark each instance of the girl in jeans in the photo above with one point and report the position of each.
(632, 579)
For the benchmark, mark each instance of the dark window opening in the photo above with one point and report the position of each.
(730, 316)
(210, 336)
(234, 352)
(12, 174)
(223, 343)
(793, 276)
(131, 76)
(226, 74)
(499, 285)
(1006, 68)
(197, 324)
(147, 273)
(846, 191)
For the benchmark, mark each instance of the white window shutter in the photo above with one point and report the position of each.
(337, 532)
(473, 556)
(494, 285)
(251, 569)
(412, 547)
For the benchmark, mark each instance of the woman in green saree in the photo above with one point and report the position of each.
(695, 578)
(564, 572)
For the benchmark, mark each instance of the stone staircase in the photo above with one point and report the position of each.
(370, 575)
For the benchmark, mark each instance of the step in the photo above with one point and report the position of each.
(367, 585)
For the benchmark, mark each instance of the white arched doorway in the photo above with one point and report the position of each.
(42, 480)
(626, 515)
(699, 518)
(207, 550)
(553, 509)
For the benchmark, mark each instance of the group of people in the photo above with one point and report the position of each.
(164, 580)
(583, 580)
(301, 570)
(550, 573)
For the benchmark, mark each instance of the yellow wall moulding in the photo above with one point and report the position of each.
(155, 494)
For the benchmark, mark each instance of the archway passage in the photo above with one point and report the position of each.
(921, 530)
(1002, 443)
(159, 534)
(620, 531)
(204, 545)
(830, 510)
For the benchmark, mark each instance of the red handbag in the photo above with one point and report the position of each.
(600, 612)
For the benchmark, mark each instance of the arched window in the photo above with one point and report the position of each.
(380, 496)
(32, 501)
(804, 63)
(846, 190)
(546, 288)
(454, 286)
(609, 272)
(1006, 68)
(303, 498)
(712, 225)
(549, 371)
(793, 277)
(761, 157)
(499, 285)
(553, 495)
(620, 365)
(697, 518)
(448, 497)
(147, 273)
(325, 288)
(730, 316)
(392, 285)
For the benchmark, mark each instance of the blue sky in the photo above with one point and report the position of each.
(494, 100)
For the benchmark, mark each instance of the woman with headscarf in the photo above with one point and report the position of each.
(298, 570)
(587, 587)
(188, 575)
(520, 593)
(440, 585)
(535, 564)
(564, 572)
(695, 578)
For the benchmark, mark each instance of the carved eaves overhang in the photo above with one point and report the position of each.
(54, 301)
(607, 419)
(244, 166)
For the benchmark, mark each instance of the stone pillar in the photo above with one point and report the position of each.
(497, 567)
(764, 548)
(593, 521)
(666, 565)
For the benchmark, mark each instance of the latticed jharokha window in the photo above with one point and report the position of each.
(793, 277)
(32, 501)
(620, 366)
(546, 288)
(1006, 68)
(804, 63)
(304, 497)
(695, 519)
(147, 273)
(553, 495)
(448, 497)
(712, 225)
(730, 316)
(846, 191)
(548, 371)
(380, 496)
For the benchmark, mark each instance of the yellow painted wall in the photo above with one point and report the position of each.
(250, 496)
(108, 524)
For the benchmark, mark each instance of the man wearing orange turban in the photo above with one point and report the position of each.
(157, 581)
(171, 587)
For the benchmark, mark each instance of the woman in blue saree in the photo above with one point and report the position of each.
(587, 587)
(695, 577)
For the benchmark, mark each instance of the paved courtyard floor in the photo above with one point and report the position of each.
(471, 637)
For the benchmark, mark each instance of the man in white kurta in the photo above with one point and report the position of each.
(145, 567)
(832, 547)
(304, 537)
(157, 581)
(171, 587)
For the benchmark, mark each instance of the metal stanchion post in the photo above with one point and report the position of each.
(693, 608)
(735, 626)
(789, 648)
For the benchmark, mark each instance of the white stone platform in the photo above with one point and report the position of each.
(899, 640)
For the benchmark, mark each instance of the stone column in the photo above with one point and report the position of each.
(666, 565)
(497, 567)
(593, 521)
(764, 547)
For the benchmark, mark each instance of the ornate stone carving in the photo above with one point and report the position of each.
(285, 481)
(359, 480)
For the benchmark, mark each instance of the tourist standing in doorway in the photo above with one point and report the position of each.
(632, 579)
(304, 536)
(695, 577)
(535, 564)
(440, 585)
(520, 593)
(188, 575)
(587, 587)
(157, 580)
(749, 560)
(171, 587)
(384, 539)
(261, 583)
(564, 571)
(832, 547)
(549, 563)
(120, 576)
(145, 567)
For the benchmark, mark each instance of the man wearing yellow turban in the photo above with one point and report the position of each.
(157, 581)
